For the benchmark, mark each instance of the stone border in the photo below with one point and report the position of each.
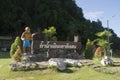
(100, 68)
(84, 62)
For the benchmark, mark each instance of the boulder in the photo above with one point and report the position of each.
(57, 62)
(73, 62)
(106, 61)
(61, 63)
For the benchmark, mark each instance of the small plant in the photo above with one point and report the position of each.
(17, 56)
(89, 50)
(99, 53)
(15, 45)
(50, 34)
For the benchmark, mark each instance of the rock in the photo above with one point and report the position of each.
(57, 62)
(106, 61)
(89, 64)
(98, 69)
(95, 66)
(73, 62)
(61, 63)
(24, 65)
(13, 65)
(52, 62)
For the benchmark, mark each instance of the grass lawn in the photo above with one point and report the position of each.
(72, 73)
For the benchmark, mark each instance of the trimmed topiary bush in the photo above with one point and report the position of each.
(15, 45)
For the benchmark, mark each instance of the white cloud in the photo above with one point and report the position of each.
(94, 15)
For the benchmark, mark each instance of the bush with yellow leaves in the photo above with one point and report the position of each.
(99, 52)
(17, 55)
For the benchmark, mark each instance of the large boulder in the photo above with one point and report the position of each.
(19, 65)
(24, 64)
(57, 62)
(61, 63)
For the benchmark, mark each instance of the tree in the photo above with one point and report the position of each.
(50, 34)
(65, 15)
(103, 40)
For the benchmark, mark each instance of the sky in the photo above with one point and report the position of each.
(104, 10)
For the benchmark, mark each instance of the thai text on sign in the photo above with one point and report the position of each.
(55, 45)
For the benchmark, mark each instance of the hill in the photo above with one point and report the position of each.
(65, 15)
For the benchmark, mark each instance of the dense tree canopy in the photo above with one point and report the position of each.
(65, 15)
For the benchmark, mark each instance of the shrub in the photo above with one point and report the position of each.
(89, 50)
(50, 34)
(99, 53)
(17, 55)
(15, 45)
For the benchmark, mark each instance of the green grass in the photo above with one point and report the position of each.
(72, 73)
(115, 67)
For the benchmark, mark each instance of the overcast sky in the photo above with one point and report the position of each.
(103, 10)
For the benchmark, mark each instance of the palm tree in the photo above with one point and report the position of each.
(103, 40)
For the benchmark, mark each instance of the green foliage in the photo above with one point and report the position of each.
(104, 34)
(38, 14)
(89, 49)
(15, 45)
(103, 40)
(50, 33)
